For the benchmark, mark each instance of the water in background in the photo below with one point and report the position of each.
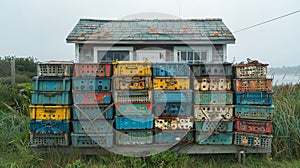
(279, 79)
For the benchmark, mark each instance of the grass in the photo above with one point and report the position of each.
(15, 150)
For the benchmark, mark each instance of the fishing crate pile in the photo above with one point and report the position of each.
(139, 103)
(253, 109)
(213, 99)
(50, 109)
(92, 109)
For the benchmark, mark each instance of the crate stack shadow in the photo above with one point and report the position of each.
(132, 96)
(253, 105)
(172, 103)
(213, 103)
(51, 100)
(93, 110)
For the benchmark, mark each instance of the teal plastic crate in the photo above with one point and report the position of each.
(135, 109)
(51, 98)
(92, 140)
(253, 140)
(134, 122)
(38, 140)
(172, 109)
(254, 112)
(170, 96)
(173, 136)
(210, 138)
(91, 84)
(219, 126)
(168, 69)
(49, 126)
(92, 126)
(253, 98)
(52, 84)
(134, 137)
(205, 98)
(211, 69)
(91, 112)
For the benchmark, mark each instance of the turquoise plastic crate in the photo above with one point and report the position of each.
(210, 138)
(130, 137)
(134, 122)
(51, 98)
(172, 136)
(211, 69)
(92, 140)
(92, 126)
(53, 84)
(204, 98)
(164, 69)
(253, 98)
(92, 97)
(91, 84)
(49, 126)
(136, 109)
(172, 109)
(253, 140)
(168, 96)
(38, 140)
(254, 112)
(219, 126)
(91, 112)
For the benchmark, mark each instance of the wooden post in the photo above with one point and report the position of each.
(13, 71)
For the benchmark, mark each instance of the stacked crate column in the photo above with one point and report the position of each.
(50, 109)
(132, 96)
(172, 103)
(93, 110)
(213, 99)
(253, 109)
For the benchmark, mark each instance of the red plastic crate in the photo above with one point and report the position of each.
(253, 126)
(88, 97)
(93, 70)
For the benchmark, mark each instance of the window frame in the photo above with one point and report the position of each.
(106, 49)
(178, 50)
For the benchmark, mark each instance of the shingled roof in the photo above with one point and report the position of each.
(130, 31)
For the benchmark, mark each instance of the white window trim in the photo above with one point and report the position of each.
(96, 49)
(224, 52)
(193, 48)
(76, 52)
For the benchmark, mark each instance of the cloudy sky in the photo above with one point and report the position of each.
(39, 28)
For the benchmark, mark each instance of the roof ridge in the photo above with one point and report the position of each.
(136, 20)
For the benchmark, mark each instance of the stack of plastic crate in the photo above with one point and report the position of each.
(93, 108)
(213, 99)
(51, 101)
(253, 109)
(172, 103)
(132, 95)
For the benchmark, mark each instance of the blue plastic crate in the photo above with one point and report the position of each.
(164, 69)
(253, 98)
(91, 84)
(135, 137)
(91, 112)
(219, 126)
(49, 126)
(173, 136)
(51, 98)
(211, 69)
(92, 140)
(52, 84)
(92, 126)
(134, 122)
(253, 140)
(170, 96)
(38, 140)
(254, 112)
(213, 98)
(210, 138)
(172, 109)
(135, 109)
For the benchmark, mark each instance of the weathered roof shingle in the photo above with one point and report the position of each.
(90, 30)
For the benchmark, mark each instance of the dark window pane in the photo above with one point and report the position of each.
(203, 56)
(183, 56)
(197, 56)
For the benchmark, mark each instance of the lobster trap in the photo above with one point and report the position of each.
(172, 109)
(253, 140)
(212, 84)
(41, 112)
(216, 126)
(205, 98)
(134, 122)
(92, 97)
(132, 68)
(140, 96)
(253, 98)
(250, 71)
(55, 69)
(93, 70)
(170, 83)
(91, 84)
(134, 137)
(211, 69)
(91, 112)
(132, 83)
(133, 109)
(213, 112)
(253, 126)
(92, 140)
(254, 112)
(173, 96)
(211, 138)
(167, 69)
(252, 85)
(173, 123)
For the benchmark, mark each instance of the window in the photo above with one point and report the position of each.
(192, 56)
(108, 56)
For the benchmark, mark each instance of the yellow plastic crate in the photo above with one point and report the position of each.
(132, 68)
(167, 83)
(50, 112)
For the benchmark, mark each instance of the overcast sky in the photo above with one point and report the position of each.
(39, 28)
